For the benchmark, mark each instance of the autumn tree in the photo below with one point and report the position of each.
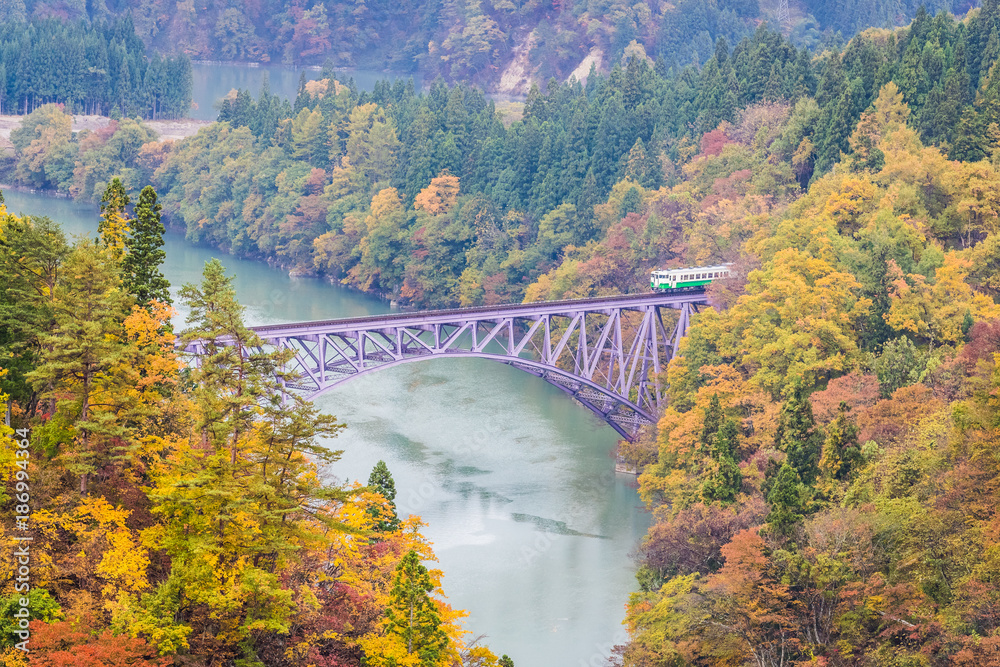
(747, 598)
(78, 355)
(237, 505)
(114, 225)
(82, 643)
(440, 196)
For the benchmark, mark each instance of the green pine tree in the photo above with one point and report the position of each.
(711, 423)
(726, 441)
(141, 266)
(841, 451)
(785, 501)
(234, 375)
(381, 482)
(797, 435)
(723, 485)
(88, 310)
(412, 614)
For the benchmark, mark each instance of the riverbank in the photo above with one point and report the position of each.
(168, 130)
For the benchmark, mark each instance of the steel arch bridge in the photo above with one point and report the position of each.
(605, 352)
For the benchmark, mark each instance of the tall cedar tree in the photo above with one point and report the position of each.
(412, 614)
(712, 422)
(841, 452)
(141, 266)
(725, 481)
(785, 501)
(381, 482)
(723, 485)
(797, 436)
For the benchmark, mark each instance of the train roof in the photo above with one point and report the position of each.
(718, 267)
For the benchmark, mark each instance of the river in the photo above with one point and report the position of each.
(532, 528)
(213, 81)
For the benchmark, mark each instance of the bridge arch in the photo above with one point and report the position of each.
(621, 414)
(605, 352)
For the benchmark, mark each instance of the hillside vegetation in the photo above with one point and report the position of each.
(432, 200)
(469, 40)
(824, 483)
(98, 68)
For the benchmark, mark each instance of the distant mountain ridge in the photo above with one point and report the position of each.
(503, 45)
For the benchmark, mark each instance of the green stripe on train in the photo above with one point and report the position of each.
(687, 283)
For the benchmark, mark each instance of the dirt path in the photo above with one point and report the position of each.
(166, 129)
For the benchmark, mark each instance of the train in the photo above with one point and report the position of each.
(678, 279)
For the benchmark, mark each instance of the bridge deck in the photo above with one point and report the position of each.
(609, 363)
(665, 299)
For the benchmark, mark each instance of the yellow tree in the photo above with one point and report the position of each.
(440, 196)
(888, 113)
(236, 505)
(308, 136)
(796, 322)
(113, 227)
(978, 200)
(383, 245)
(935, 311)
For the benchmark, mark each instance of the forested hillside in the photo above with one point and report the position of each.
(90, 68)
(824, 484)
(433, 200)
(178, 514)
(472, 41)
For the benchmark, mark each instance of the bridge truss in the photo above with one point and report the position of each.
(604, 352)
